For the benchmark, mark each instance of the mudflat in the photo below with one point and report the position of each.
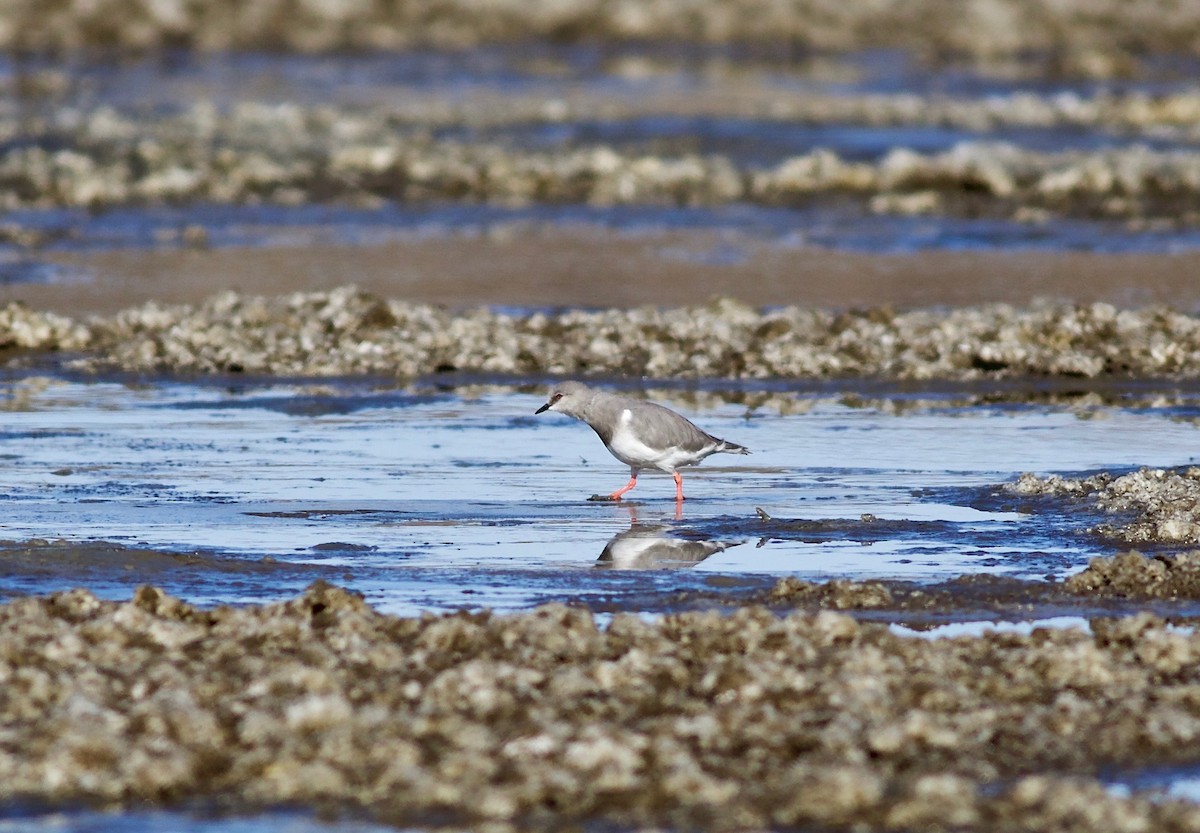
(594, 268)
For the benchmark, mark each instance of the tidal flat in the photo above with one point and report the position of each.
(285, 548)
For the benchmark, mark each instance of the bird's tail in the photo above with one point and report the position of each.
(732, 448)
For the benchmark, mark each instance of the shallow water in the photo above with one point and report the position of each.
(832, 226)
(164, 81)
(767, 142)
(439, 499)
(38, 821)
(620, 75)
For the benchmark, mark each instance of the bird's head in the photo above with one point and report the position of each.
(563, 397)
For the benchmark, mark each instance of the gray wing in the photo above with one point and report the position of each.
(660, 427)
(651, 547)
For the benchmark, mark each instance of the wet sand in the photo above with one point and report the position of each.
(587, 268)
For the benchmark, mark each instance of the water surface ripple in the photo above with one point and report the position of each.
(436, 500)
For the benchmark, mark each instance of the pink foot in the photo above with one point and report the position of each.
(617, 494)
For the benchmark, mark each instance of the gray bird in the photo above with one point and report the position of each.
(640, 434)
(643, 547)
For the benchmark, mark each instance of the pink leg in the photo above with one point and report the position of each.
(678, 487)
(632, 482)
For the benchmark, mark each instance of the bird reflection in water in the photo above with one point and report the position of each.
(656, 546)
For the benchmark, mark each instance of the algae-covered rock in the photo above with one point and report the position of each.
(705, 720)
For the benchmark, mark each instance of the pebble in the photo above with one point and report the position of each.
(723, 722)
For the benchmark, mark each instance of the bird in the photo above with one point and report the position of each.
(642, 435)
(653, 547)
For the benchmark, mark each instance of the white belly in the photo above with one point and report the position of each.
(630, 450)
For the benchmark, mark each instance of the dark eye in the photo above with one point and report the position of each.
(556, 397)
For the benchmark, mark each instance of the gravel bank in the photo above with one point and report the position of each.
(541, 719)
(351, 332)
(290, 154)
(1078, 36)
(1162, 505)
(1136, 576)
(1118, 585)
